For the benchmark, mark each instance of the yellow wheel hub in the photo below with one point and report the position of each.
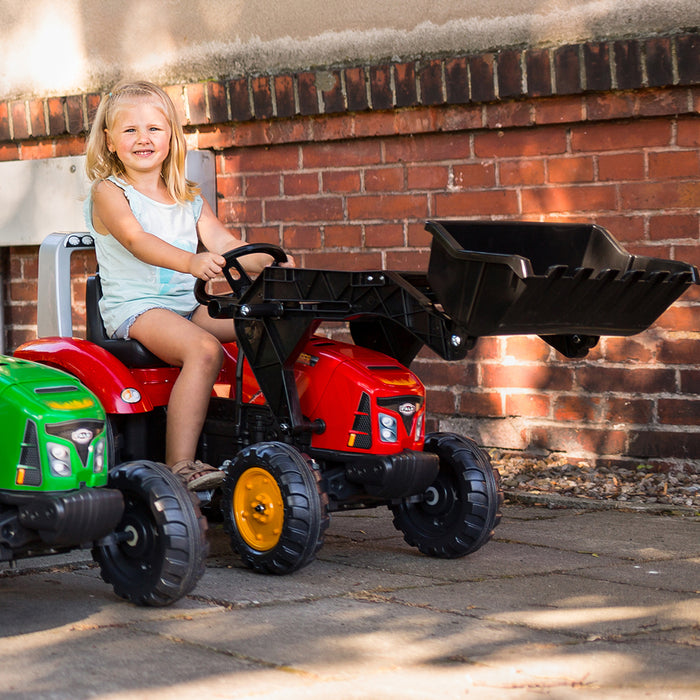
(258, 509)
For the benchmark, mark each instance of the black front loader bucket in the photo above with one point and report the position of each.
(568, 283)
(508, 278)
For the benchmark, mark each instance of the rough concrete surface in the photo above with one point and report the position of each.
(562, 603)
(75, 45)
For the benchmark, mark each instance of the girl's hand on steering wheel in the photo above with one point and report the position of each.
(205, 266)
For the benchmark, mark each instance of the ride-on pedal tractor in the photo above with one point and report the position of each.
(305, 425)
(57, 493)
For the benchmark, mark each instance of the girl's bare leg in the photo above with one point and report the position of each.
(183, 343)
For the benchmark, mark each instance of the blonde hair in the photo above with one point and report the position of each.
(101, 163)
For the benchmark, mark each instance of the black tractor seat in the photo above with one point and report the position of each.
(130, 352)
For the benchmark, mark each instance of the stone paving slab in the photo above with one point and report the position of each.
(561, 604)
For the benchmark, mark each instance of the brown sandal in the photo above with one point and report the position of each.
(197, 476)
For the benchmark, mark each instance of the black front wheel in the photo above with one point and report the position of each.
(274, 508)
(160, 550)
(460, 509)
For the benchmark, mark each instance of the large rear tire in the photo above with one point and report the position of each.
(274, 508)
(163, 557)
(460, 508)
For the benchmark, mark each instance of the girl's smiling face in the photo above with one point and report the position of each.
(140, 136)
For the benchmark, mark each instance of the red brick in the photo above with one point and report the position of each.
(636, 380)
(510, 73)
(559, 110)
(621, 167)
(521, 172)
(36, 118)
(457, 118)
(674, 164)
(688, 132)
(332, 95)
(527, 348)
(196, 103)
(264, 234)
(387, 179)
(431, 84)
(308, 95)
(241, 109)
(485, 203)
(690, 381)
(620, 136)
(418, 237)
(680, 351)
(406, 260)
(341, 181)
(342, 236)
(457, 80)
(538, 72)
(636, 349)
(673, 226)
(679, 411)
(583, 198)
(623, 227)
(374, 124)
(285, 157)
(217, 138)
(405, 84)
(356, 88)
(470, 175)
(20, 127)
(577, 408)
(177, 95)
(680, 318)
(262, 185)
(570, 169)
(506, 115)
(628, 411)
(615, 105)
(339, 155)
(567, 70)
(387, 207)
(301, 237)
(37, 150)
(229, 185)
(441, 402)
(384, 235)
(662, 102)
(433, 148)
(528, 405)
(427, 177)
(481, 404)
(319, 209)
(520, 143)
(437, 372)
(4, 122)
(247, 211)
(300, 184)
(666, 444)
(217, 102)
(660, 195)
(380, 87)
(343, 261)
(527, 377)
(481, 70)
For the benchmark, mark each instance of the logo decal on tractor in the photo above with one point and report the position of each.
(407, 409)
(82, 436)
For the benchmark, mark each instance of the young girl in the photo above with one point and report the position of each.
(148, 221)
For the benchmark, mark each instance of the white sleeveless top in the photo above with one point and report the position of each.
(130, 286)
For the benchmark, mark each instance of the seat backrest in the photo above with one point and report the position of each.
(130, 352)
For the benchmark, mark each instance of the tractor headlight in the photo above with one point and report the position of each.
(59, 459)
(419, 426)
(98, 462)
(387, 428)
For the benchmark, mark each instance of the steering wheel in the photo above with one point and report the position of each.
(240, 284)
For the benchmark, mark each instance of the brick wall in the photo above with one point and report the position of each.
(343, 166)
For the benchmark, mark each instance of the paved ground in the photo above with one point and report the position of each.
(563, 603)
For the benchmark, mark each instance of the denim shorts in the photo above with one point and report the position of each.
(122, 333)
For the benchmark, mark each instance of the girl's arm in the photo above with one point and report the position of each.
(111, 214)
(218, 239)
